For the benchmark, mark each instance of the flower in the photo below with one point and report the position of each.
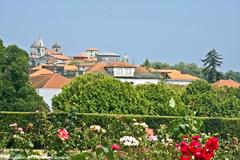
(63, 134)
(129, 141)
(20, 130)
(184, 148)
(95, 128)
(185, 157)
(196, 138)
(13, 125)
(116, 147)
(144, 125)
(149, 132)
(212, 143)
(194, 146)
(153, 138)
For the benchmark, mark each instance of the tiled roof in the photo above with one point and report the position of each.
(98, 67)
(50, 51)
(70, 67)
(92, 49)
(227, 83)
(177, 75)
(141, 70)
(41, 72)
(49, 81)
(120, 65)
(60, 56)
(82, 55)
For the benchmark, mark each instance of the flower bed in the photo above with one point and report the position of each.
(113, 136)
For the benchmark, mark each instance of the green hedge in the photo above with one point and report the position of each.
(113, 123)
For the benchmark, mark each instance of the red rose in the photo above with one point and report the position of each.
(63, 134)
(207, 153)
(184, 148)
(212, 143)
(116, 147)
(194, 146)
(196, 138)
(184, 157)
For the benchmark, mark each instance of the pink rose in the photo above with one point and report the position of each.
(63, 134)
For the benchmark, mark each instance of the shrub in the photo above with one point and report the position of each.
(159, 98)
(98, 93)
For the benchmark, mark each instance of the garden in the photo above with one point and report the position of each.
(99, 117)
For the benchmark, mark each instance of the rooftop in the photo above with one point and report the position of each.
(49, 81)
(227, 83)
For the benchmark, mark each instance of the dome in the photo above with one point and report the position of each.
(56, 45)
(38, 43)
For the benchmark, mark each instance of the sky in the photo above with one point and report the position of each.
(160, 30)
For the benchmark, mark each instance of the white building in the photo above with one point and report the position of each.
(48, 84)
(126, 72)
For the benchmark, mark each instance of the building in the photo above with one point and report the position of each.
(175, 77)
(48, 84)
(109, 57)
(125, 72)
(40, 54)
(226, 83)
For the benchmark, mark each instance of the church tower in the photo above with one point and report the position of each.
(37, 48)
(56, 47)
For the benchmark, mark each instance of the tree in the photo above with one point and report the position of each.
(99, 93)
(16, 93)
(212, 61)
(232, 75)
(146, 64)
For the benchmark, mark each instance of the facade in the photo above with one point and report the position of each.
(48, 84)
(40, 54)
(108, 57)
(126, 72)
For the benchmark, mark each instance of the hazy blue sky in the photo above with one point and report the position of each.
(164, 30)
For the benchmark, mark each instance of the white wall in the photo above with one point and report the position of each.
(127, 72)
(178, 82)
(48, 94)
(140, 81)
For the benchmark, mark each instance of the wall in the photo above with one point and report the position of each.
(126, 72)
(140, 81)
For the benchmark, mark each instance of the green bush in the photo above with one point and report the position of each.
(98, 93)
(159, 98)
(113, 123)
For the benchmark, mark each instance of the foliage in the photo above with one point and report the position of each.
(189, 68)
(98, 93)
(16, 94)
(106, 130)
(212, 60)
(159, 97)
(232, 75)
(204, 100)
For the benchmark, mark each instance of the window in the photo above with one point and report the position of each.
(38, 50)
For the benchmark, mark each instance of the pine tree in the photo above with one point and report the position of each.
(212, 61)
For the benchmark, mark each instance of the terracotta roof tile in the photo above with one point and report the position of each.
(41, 72)
(227, 83)
(70, 67)
(61, 56)
(49, 81)
(98, 67)
(141, 70)
(176, 74)
(50, 51)
(92, 49)
(121, 65)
